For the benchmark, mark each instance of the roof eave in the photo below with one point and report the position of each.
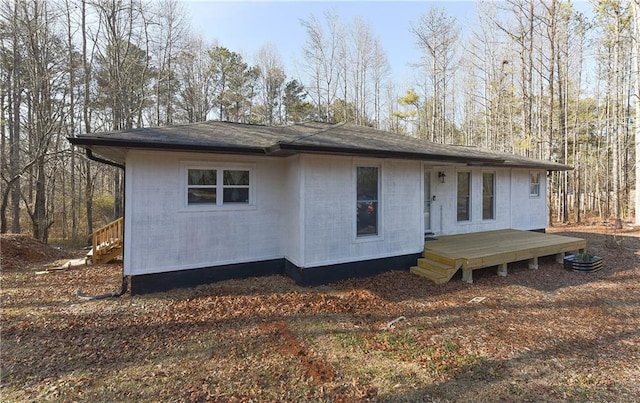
(285, 149)
(98, 141)
(547, 167)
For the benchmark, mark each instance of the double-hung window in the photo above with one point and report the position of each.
(367, 201)
(202, 186)
(488, 195)
(534, 184)
(218, 186)
(235, 188)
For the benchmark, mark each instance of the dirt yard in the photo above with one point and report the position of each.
(535, 335)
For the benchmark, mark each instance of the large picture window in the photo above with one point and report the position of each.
(534, 184)
(367, 200)
(218, 186)
(464, 196)
(488, 196)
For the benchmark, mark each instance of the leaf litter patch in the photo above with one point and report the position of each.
(548, 334)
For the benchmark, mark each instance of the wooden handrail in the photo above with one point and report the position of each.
(108, 234)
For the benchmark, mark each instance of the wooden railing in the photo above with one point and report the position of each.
(107, 241)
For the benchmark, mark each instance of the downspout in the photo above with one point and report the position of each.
(125, 282)
(123, 289)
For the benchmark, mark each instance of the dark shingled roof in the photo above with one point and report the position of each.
(310, 137)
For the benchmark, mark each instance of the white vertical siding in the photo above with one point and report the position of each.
(163, 235)
(304, 211)
(292, 234)
(528, 212)
(514, 207)
(330, 210)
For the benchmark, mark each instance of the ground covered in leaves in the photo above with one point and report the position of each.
(535, 335)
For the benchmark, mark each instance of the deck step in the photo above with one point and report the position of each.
(105, 252)
(429, 274)
(434, 265)
(106, 256)
(440, 258)
(438, 269)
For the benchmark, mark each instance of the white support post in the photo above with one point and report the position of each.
(533, 263)
(502, 270)
(467, 276)
(560, 257)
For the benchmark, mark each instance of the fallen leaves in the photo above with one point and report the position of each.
(549, 334)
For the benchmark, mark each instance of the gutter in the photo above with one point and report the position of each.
(92, 157)
(286, 148)
(101, 141)
(276, 150)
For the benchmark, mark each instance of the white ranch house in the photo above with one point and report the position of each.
(317, 201)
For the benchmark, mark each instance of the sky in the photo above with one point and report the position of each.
(244, 26)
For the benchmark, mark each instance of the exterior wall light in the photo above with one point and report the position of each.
(441, 176)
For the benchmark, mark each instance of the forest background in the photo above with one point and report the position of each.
(534, 78)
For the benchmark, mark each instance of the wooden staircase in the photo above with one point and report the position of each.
(436, 267)
(107, 243)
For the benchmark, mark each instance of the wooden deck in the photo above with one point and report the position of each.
(444, 256)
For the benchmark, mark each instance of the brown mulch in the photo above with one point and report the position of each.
(538, 335)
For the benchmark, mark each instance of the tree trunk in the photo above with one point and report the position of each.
(3, 152)
(562, 66)
(40, 224)
(551, 31)
(88, 190)
(72, 123)
(618, 124)
(14, 130)
(636, 48)
(118, 193)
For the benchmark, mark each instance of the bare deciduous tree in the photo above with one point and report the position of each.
(321, 54)
(538, 78)
(272, 80)
(636, 52)
(169, 33)
(195, 81)
(436, 35)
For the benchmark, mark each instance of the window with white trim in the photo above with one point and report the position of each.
(534, 184)
(488, 195)
(235, 188)
(202, 186)
(218, 186)
(464, 196)
(367, 201)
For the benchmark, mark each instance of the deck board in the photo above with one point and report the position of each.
(492, 248)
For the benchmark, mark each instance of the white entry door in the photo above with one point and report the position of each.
(427, 200)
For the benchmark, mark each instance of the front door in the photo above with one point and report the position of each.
(427, 200)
